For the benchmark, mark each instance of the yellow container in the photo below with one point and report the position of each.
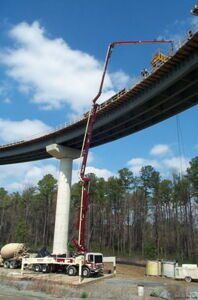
(153, 268)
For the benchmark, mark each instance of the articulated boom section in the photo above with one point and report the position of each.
(81, 224)
(80, 243)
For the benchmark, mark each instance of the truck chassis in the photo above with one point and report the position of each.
(70, 266)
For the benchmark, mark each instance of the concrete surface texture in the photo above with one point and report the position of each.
(66, 156)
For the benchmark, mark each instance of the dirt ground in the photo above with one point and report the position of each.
(60, 286)
(130, 271)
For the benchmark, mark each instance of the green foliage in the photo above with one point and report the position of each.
(146, 215)
(75, 194)
(150, 250)
(149, 179)
(192, 175)
(47, 185)
(4, 198)
(84, 295)
(3, 193)
(165, 191)
(126, 179)
(21, 232)
(71, 247)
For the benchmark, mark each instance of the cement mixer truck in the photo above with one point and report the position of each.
(11, 255)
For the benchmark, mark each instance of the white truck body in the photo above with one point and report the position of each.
(187, 272)
(91, 263)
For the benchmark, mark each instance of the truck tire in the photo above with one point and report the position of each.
(188, 279)
(6, 264)
(45, 268)
(71, 271)
(37, 268)
(85, 272)
(66, 269)
(13, 264)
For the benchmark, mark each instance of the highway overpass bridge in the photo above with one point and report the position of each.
(169, 89)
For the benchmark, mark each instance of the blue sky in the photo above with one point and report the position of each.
(51, 56)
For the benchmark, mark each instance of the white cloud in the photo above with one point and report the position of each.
(90, 159)
(160, 149)
(100, 172)
(97, 171)
(14, 186)
(135, 164)
(53, 72)
(36, 172)
(120, 79)
(16, 177)
(90, 169)
(18, 130)
(165, 167)
(176, 163)
(7, 100)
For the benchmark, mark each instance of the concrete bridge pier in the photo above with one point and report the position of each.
(66, 156)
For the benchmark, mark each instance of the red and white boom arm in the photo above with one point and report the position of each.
(80, 243)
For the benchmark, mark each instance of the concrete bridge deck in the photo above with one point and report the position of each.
(168, 90)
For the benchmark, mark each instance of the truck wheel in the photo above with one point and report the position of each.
(188, 279)
(37, 268)
(45, 268)
(6, 264)
(71, 271)
(85, 272)
(13, 264)
(66, 269)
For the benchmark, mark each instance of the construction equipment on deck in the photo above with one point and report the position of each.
(158, 59)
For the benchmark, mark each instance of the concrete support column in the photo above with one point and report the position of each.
(62, 207)
(61, 230)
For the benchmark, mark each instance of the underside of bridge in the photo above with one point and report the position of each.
(168, 90)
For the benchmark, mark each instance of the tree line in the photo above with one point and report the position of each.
(145, 215)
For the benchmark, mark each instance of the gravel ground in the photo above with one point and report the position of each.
(123, 286)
